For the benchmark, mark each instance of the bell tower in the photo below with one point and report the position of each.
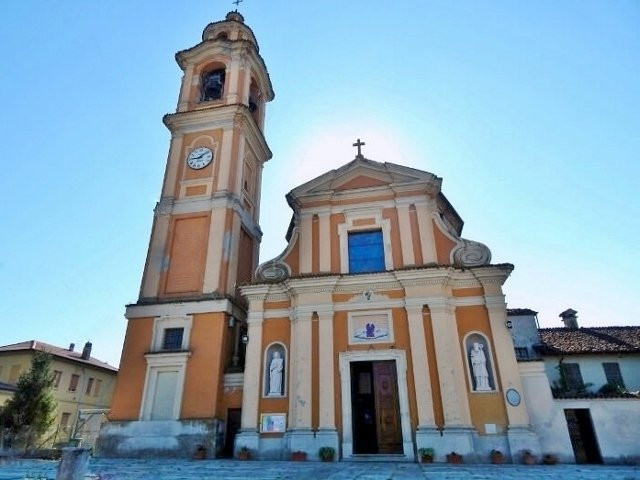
(182, 346)
(205, 235)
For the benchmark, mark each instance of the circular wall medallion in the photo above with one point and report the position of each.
(513, 397)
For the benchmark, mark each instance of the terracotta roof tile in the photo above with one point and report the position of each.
(565, 341)
(56, 351)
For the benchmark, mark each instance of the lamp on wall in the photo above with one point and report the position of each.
(509, 324)
(232, 321)
(245, 338)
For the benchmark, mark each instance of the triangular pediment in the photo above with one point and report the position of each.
(361, 174)
(361, 181)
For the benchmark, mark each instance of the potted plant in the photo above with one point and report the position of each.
(454, 457)
(528, 458)
(298, 456)
(326, 454)
(426, 455)
(549, 459)
(200, 453)
(244, 453)
(496, 456)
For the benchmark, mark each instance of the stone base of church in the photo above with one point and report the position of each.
(280, 448)
(522, 438)
(169, 439)
(452, 439)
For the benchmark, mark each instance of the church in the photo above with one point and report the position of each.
(378, 331)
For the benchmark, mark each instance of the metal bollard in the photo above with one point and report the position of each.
(73, 464)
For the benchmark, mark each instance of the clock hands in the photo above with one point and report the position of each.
(200, 156)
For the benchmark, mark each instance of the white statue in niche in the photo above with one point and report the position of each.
(275, 374)
(479, 367)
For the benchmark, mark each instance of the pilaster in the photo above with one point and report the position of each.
(327, 417)
(300, 369)
(253, 371)
(306, 243)
(406, 239)
(425, 226)
(421, 378)
(505, 359)
(324, 228)
(450, 365)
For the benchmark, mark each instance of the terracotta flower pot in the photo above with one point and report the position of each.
(528, 459)
(497, 458)
(298, 456)
(426, 459)
(454, 458)
(243, 455)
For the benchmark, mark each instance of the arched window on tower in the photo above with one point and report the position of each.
(213, 85)
(255, 102)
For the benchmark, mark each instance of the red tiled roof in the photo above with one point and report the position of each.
(566, 341)
(56, 351)
(520, 311)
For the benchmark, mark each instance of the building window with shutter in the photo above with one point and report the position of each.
(89, 386)
(73, 384)
(96, 391)
(613, 374)
(522, 353)
(572, 376)
(57, 375)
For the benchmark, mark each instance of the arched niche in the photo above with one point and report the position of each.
(274, 383)
(479, 363)
(212, 82)
(256, 102)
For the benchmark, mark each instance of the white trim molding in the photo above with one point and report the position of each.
(400, 358)
(160, 324)
(158, 363)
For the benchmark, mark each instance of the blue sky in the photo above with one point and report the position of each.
(529, 111)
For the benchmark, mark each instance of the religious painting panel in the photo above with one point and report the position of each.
(370, 327)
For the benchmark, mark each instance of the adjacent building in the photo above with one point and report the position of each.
(584, 385)
(82, 386)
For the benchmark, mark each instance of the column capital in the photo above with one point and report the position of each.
(441, 305)
(495, 301)
(255, 318)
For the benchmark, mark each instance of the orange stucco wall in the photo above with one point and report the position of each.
(127, 396)
(396, 248)
(485, 407)
(204, 367)
(443, 245)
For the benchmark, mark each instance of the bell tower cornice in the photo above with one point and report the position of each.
(226, 116)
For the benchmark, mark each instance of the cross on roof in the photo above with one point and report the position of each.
(359, 144)
(236, 3)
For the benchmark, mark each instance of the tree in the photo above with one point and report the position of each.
(31, 410)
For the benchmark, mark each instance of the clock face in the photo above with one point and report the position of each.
(199, 158)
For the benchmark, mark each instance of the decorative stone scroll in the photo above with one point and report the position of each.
(272, 272)
(470, 254)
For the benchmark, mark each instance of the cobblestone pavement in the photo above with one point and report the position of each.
(102, 469)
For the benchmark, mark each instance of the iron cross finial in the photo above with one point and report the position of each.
(236, 3)
(359, 144)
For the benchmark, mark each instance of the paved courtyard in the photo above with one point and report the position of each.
(102, 469)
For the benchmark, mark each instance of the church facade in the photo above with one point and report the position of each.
(378, 331)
